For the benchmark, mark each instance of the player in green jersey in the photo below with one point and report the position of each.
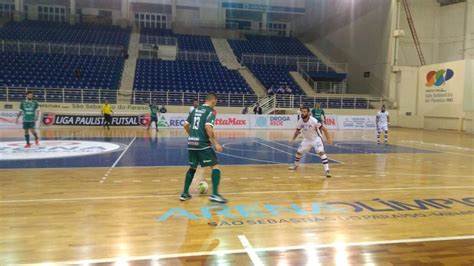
(153, 115)
(318, 113)
(29, 109)
(201, 138)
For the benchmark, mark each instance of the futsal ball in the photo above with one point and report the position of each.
(203, 187)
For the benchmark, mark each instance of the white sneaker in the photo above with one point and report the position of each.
(328, 173)
(293, 167)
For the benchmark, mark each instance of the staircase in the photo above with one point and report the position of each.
(126, 87)
(416, 40)
(225, 54)
(253, 82)
(302, 83)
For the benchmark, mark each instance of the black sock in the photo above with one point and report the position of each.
(188, 180)
(27, 138)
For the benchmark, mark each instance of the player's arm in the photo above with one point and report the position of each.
(187, 126)
(212, 137)
(20, 112)
(326, 133)
(295, 135)
(323, 115)
(388, 119)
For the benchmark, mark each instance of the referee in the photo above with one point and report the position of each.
(107, 113)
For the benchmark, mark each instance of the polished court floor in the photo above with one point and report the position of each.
(87, 196)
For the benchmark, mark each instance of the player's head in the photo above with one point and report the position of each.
(106, 101)
(318, 105)
(383, 108)
(305, 113)
(195, 103)
(29, 95)
(211, 99)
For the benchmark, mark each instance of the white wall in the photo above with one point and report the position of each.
(355, 32)
(440, 30)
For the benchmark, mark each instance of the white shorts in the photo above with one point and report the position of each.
(382, 128)
(306, 146)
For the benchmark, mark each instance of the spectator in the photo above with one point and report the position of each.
(77, 73)
(271, 91)
(155, 51)
(245, 110)
(299, 111)
(288, 90)
(281, 90)
(257, 110)
(124, 53)
(194, 106)
(163, 110)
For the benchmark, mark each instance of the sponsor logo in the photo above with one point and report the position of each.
(278, 120)
(162, 122)
(50, 119)
(261, 121)
(330, 122)
(231, 121)
(438, 78)
(315, 212)
(51, 149)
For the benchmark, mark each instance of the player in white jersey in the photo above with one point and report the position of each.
(312, 138)
(382, 120)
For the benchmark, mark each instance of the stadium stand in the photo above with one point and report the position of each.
(43, 31)
(187, 76)
(269, 45)
(57, 71)
(275, 75)
(185, 42)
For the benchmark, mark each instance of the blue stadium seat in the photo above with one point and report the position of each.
(274, 75)
(43, 31)
(57, 71)
(188, 76)
(185, 42)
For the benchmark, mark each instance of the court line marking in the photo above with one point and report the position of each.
(402, 189)
(116, 161)
(335, 166)
(250, 250)
(284, 145)
(266, 249)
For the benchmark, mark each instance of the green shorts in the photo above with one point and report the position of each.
(28, 125)
(204, 158)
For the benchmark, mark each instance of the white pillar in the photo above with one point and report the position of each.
(72, 15)
(264, 21)
(173, 12)
(18, 15)
(124, 14)
(468, 20)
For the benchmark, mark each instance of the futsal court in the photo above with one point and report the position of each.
(88, 196)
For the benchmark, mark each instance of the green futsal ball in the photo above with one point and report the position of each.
(203, 187)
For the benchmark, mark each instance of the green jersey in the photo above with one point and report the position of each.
(318, 113)
(29, 109)
(198, 119)
(153, 110)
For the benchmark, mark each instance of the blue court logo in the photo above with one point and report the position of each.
(261, 121)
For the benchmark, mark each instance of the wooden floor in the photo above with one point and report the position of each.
(414, 208)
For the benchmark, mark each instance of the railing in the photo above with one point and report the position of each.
(49, 95)
(58, 48)
(159, 40)
(197, 56)
(270, 59)
(322, 86)
(323, 67)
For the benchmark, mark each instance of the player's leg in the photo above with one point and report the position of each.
(385, 134)
(193, 163)
(27, 134)
(156, 124)
(305, 146)
(207, 158)
(319, 147)
(378, 134)
(33, 131)
(109, 121)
